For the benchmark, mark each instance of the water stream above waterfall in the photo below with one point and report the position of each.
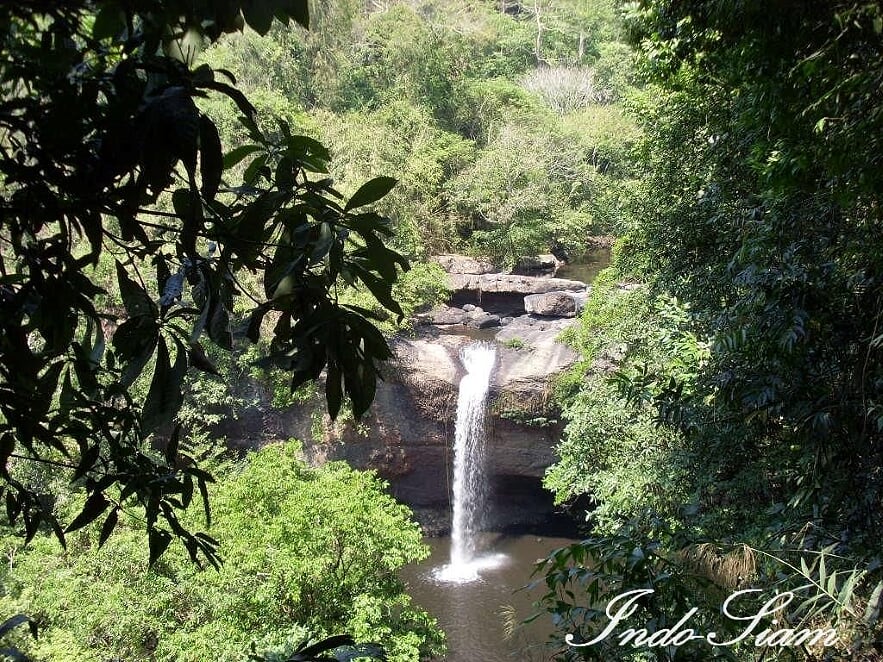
(588, 267)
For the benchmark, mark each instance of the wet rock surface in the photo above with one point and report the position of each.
(538, 265)
(445, 315)
(484, 321)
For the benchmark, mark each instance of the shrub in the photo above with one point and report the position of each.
(566, 89)
(305, 551)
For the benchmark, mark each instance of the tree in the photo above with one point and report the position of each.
(307, 552)
(107, 163)
(764, 216)
(529, 190)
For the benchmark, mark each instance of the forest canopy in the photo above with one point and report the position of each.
(193, 192)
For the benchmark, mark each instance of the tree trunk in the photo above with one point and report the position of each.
(539, 43)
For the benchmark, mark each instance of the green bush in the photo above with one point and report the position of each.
(483, 104)
(305, 551)
(400, 55)
(509, 202)
(613, 450)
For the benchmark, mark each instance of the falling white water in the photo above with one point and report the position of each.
(470, 487)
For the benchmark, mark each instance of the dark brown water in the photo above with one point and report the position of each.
(587, 268)
(473, 614)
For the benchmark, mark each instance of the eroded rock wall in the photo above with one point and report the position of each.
(408, 434)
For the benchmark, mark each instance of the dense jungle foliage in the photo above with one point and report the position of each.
(727, 419)
(195, 190)
(505, 141)
(307, 552)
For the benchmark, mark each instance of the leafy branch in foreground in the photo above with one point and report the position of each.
(100, 134)
(307, 553)
(339, 648)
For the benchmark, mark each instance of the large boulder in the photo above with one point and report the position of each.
(511, 284)
(407, 435)
(554, 304)
(484, 321)
(531, 354)
(463, 264)
(503, 294)
(446, 315)
(538, 264)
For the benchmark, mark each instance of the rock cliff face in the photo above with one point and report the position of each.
(408, 433)
(504, 294)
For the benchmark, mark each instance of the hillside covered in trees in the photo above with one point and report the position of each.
(736, 443)
(503, 124)
(191, 192)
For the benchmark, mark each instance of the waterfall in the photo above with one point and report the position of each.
(469, 489)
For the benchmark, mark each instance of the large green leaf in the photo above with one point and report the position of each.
(157, 542)
(371, 191)
(333, 390)
(109, 22)
(96, 504)
(236, 155)
(134, 341)
(165, 395)
(211, 161)
(299, 10)
(135, 298)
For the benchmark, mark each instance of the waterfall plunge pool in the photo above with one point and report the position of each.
(471, 580)
(474, 613)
